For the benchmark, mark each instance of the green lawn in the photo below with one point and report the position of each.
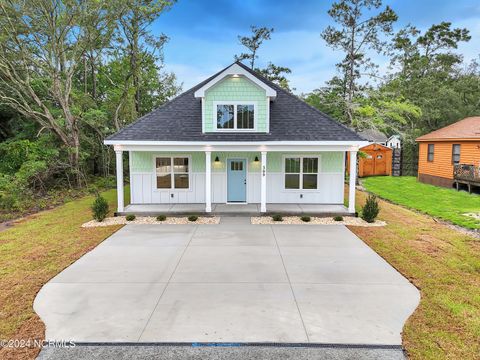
(441, 203)
(32, 251)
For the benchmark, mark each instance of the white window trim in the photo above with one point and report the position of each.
(301, 156)
(172, 187)
(235, 103)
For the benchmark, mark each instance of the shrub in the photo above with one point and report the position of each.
(130, 217)
(193, 218)
(338, 218)
(277, 217)
(161, 218)
(305, 218)
(370, 210)
(99, 208)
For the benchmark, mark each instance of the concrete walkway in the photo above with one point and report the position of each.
(232, 282)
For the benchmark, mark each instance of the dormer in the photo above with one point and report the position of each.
(236, 100)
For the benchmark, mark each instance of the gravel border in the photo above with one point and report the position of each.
(150, 220)
(295, 220)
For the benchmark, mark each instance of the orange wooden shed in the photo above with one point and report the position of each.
(376, 162)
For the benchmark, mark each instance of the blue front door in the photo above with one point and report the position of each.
(236, 180)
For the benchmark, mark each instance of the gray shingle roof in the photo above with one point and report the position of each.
(291, 119)
(373, 135)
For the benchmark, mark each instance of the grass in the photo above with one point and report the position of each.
(445, 265)
(33, 251)
(442, 203)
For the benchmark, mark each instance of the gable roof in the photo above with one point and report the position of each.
(466, 129)
(235, 70)
(373, 135)
(180, 119)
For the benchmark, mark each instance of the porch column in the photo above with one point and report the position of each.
(119, 163)
(263, 188)
(208, 181)
(353, 178)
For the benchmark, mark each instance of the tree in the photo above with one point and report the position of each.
(42, 44)
(275, 74)
(272, 72)
(356, 35)
(253, 43)
(136, 41)
(430, 74)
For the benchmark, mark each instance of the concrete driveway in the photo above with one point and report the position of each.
(232, 282)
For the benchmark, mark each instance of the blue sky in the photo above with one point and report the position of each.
(203, 34)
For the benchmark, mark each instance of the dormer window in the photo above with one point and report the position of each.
(239, 116)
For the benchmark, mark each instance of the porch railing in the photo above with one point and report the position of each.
(466, 172)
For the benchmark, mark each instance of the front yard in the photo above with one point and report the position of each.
(34, 250)
(445, 265)
(442, 262)
(442, 203)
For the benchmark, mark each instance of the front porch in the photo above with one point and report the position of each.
(248, 179)
(235, 209)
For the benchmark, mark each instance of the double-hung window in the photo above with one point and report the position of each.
(456, 154)
(431, 150)
(301, 173)
(238, 116)
(172, 172)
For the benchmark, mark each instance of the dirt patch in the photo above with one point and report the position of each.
(5, 225)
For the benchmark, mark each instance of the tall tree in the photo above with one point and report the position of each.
(43, 43)
(430, 74)
(358, 31)
(253, 43)
(135, 21)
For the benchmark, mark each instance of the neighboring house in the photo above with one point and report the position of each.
(375, 136)
(451, 155)
(236, 138)
(394, 142)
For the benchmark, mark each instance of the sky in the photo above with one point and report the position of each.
(204, 34)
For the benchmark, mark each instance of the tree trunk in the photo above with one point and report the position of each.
(93, 76)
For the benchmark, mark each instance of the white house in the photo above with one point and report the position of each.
(394, 142)
(236, 138)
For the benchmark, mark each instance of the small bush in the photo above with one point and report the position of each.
(161, 218)
(193, 218)
(305, 218)
(370, 210)
(130, 217)
(338, 218)
(99, 208)
(277, 217)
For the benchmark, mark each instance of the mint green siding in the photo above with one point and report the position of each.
(142, 161)
(235, 89)
(330, 162)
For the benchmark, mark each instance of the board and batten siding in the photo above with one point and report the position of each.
(442, 165)
(143, 191)
(235, 89)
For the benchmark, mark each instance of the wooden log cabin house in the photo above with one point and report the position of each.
(450, 156)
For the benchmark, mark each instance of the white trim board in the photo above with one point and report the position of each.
(235, 70)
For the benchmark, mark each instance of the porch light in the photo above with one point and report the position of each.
(256, 159)
(217, 159)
